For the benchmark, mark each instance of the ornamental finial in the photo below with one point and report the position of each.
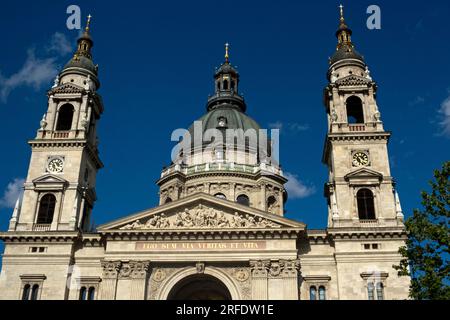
(88, 23)
(227, 55)
(341, 8)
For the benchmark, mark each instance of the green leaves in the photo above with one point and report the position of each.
(426, 254)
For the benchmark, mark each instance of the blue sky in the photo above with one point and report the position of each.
(156, 63)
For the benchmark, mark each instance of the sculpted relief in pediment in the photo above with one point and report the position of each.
(200, 217)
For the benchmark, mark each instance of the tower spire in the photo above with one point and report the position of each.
(344, 32)
(88, 23)
(227, 53)
(85, 42)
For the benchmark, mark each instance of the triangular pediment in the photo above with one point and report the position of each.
(49, 178)
(201, 212)
(67, 88)
(353, 80)
(364, 173)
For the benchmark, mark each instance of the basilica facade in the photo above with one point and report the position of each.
(219, 231)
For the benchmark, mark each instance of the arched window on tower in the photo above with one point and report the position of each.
(354, 110)
(271, 204)
(366, 207)
(243, 199)
(46, 209)
(225, 84)
(168, 200)
(65, 117)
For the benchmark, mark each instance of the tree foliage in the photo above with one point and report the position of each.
(426, 254)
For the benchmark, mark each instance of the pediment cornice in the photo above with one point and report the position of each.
(67, 88)
(201, 213)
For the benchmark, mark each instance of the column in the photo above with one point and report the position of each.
(109, 279)
(290, 279)
(259, 279)
(138, 279)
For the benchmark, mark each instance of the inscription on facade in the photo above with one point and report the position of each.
(198, 246)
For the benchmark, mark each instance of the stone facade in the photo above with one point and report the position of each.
(219, 230)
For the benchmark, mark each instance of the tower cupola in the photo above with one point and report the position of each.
(226, 81)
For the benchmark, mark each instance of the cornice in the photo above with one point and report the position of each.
(201, 234)
(39, 236)
(345, 136)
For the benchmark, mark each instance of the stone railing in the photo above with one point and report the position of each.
(221, 166)
(67, 134)
(368, 222)
(356, 127)
(41, 227)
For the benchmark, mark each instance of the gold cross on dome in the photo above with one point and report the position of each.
(227, 56)
(88, 22)
(341, 7)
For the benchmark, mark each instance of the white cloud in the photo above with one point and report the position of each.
(36, 71)
(12, 193)
(296, 188)
(445, 113)
(417, 101)
(59, 44)
(290, 126)
(276, 125)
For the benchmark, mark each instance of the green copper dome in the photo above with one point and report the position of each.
(226, 118)
(81, 62)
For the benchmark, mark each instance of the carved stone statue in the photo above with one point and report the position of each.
(201, 217)
(367, 72)
(333, 76)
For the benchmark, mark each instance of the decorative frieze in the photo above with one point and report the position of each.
(201, 217)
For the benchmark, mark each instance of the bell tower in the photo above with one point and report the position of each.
(360, 191)
(59, 192)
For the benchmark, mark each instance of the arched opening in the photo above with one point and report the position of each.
(322, 295)
(271, 204)
(220, 196)
(46, 209)
(65, 117)
(168, 200)
(199, 287)
(312, 293)
(243, 199)
(26, 292)
(91, 293)
(82, 293)
(370, 291)
(354, 110)
(380, 291)
(366, 207)
(225, 84)
(34, 292)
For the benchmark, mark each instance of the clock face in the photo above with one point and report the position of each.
(360, 159)
(55, 165)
